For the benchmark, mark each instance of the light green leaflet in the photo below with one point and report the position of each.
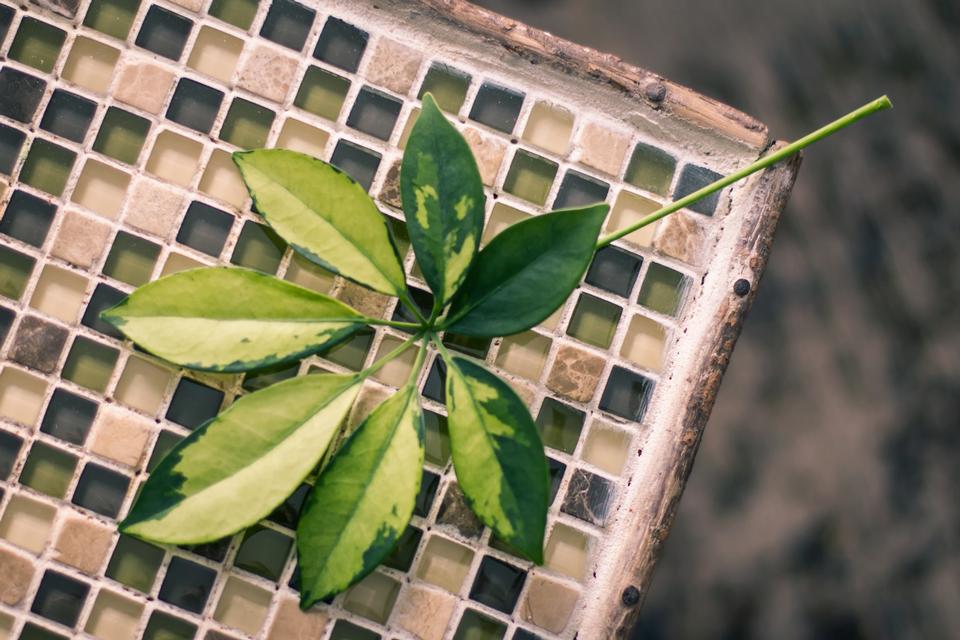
(498, 456)
(363, 500)
(526, 273)
(230, 319)
(233, 471)
(442, 200)
(324, 214)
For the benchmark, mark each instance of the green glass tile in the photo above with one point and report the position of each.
(651, 169)
(662, 289)
(263, 552)
(131, 259)
(47, 166)
(166, 441)
(322, 93)
(437, 444)
(559, 425)
(470, 345)
(247, 124)
(594, 321)
(401, 239)
(34, 632)
(448, 86)
(401, 558)
(530, 177)
(90, 364)
(163, 626)
(344, 630)
(476, 626)
(37, 44)
(258, 247)
(239, 13)
(373, 597)
(353, 352)
(121, 135)
(112, 17)
(135, 563)
(48, 470)
(15, 269)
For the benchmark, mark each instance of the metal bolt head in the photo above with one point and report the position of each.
(655, 91)
(630, 596)
(741, 287)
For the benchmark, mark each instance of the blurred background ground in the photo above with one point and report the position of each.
(824, 501)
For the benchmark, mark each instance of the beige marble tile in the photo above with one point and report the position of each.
(143, 84)
(83, 543)
(394, 66)
(290, 623)
(82, 239)
(120, 435)
(16, 574)
(423, 612)
(269, 73)
(154, 207)
(488, 151)
(602, 148)
(575, 373)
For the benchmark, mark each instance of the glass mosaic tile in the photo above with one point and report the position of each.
(20, 94)
(242, 605)
(663, 289)
(166, 440)
(302, 137)
(259, 247)
(7, 316)
(195, 105)
(373, 597)
(11, 143)
(60, 598)
(444, 563)
(27, 218)
(101, 188)
(352, 353)
(121, 135)
(651, 169)
(32, 631)
(90, 364)
(288, 23)
(113, 616)
(48, 469)
(530, 177)
(644, 343)
(10, 446)
(343, 630)
(498, 584)
(358, 162)
(559, 425)
(15, 268)
(614, 270)
(578, 190)
(437, 438)
(264, 552)
(401, 558)
(194, 403)
(21, 396)
(26, 523)
(68, 417)
(215, 53)
(566, 551)
(374, 113)
(239, 13)
(606, 448)
(435, 385)
(322, 93)
(497, 107)
(549, 127)
(134, 563)
(469, 345)
(47, 166)
(594, 320)
(588, 497)
(693, 178)
(476, 626)
(131, 259)
(447, 85)
(6, 19)
(37, 43)
(247, 124)
(142, 385)
(101, 490)
(626, 394)
(164, 32)
(455, 512)
(187, 584)
(427, 494)
(104, 296)
(164, 626)
(174, 158)
(112, 17)
(68, 115)
(90, 64)
(341, 44)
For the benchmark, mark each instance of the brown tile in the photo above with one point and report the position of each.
(369, 303)
(681, 237)
(16, 574)
(394, 66)
(488, 152)
(602, 148)
(38, 344)
(423, 612)
(454, 511)
(83, 543)
(120, 435)
(144, 85)
(154, 207)
(82, 239)
(390, 193)
(268, 73)
(575, 373)
(291, 623)
(548, 604)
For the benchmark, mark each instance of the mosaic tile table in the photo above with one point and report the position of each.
(117, 118)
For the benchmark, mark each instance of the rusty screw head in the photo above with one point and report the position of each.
(741, 287)
(630, 596)
(656, 91)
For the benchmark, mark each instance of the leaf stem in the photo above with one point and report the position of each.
(414, 309)
(393, 323)
(879, 104)
(376, 366)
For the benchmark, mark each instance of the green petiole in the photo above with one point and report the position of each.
(879, 104)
